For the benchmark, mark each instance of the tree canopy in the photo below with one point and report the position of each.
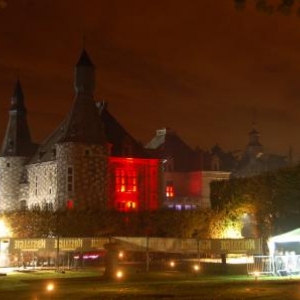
(270, 7)
(274, 199)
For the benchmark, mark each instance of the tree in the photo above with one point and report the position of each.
(269, 7)
(275, 198)
(233, 220)
(31, 223)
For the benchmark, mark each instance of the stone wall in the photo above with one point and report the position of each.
(82, 175)
(42, 185)
(11, 171)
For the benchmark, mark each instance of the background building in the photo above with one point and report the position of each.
(187, 173)
(255, 161)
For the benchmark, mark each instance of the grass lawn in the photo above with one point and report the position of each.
(153, 285)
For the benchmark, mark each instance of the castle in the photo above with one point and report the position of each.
(81, 165)
(91, 162)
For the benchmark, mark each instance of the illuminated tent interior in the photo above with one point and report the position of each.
(286, 242)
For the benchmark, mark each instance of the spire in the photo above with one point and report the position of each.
(254, 146)
(83, 122)
(17, 100)
(84, 75)
(84, 59)
(17, 140)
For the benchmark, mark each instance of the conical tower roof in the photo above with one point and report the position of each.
(84, 59)
(17, 140)
(83, 122)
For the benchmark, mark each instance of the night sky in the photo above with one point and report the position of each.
(200, 67)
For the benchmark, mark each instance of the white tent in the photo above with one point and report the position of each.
(288, 237)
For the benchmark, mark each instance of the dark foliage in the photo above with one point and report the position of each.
(161, 223)
(275, 196)
(285, 7)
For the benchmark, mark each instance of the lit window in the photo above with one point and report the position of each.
(178, 207)
(170, 190)
(131, 205)
(126, 180)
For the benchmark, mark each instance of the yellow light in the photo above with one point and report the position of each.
(50, 287)
(119, 274)
(131, 204)
(256, 274)
(232, 233)
(196, 268)
(4, 229)
(172, 264)
(121, 254)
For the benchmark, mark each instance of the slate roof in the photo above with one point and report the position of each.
(122, 142)
(17, 140)
(167, 144)
(89, 122)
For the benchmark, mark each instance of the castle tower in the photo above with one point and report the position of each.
(17, 141)
(82, 152)
(16, 149)
(83, 123)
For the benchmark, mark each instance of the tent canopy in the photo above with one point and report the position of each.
(288, 237)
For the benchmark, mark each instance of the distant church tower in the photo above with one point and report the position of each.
(16, 148)
(254, 147)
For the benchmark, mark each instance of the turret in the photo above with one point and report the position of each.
(16, 149)
(17, 140)
(83, 124)
(81, 150)
(84, 75)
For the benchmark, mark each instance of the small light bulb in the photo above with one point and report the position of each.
(50, 287)
(119, 274)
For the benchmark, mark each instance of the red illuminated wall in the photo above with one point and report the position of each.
(133, 184)
(185, 184)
